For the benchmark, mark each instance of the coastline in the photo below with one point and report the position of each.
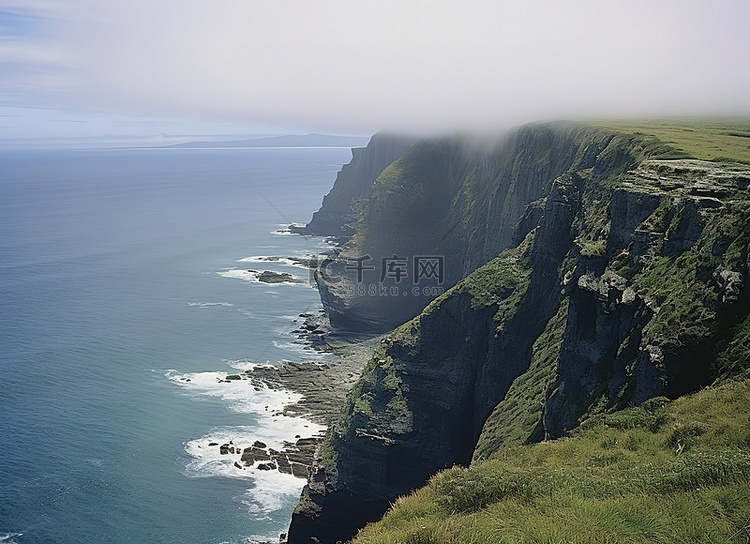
(317, 391)
(323, 386)
(314, 393)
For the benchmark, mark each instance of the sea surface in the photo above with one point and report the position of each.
(124, 300)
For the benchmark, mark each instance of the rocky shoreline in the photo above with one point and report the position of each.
(323, 386)
(293, 459)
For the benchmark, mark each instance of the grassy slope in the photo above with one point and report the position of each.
(663, 472)
(699, 139)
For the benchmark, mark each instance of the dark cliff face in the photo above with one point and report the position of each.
(624, 286)
(355, 181)
(457, 201)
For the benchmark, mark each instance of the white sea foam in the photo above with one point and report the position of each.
(10, 538)
(299, 347)
(273, 489)
(208, 304)
(244, 365)
(268, 490)
(285, 229)
(258, 539)
(252, 397)
(248, 313)
(240, 274)
(288, 340)
(242, 396)
(284, 261)
(260, 259)
(327, 243)
(208, 461)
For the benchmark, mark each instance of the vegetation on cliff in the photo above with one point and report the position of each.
(704, 139)
(663, 472)
(467, 201)
(355, 181)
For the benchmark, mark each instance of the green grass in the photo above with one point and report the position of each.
(664, 472)
(404, 195)
(593, 225)
(735, 358)
(501, 283)
(723, 140)
(377, 400)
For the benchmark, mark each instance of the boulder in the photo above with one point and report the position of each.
(252, 454)
(610, 290)
(299, 470)
(307, 443)
(284, 465)
(268, 276)
(729, 284)
(260, 454)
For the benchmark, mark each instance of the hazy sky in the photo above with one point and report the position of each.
(89, 67)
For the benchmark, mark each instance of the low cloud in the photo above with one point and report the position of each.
(361, 66)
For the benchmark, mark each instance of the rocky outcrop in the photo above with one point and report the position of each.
(295, 458)
(730, 285)
(600, 344)
(623, 286)
(656, 331)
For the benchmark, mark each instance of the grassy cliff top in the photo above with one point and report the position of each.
(711, 140)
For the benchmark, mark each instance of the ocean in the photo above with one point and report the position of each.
(125, 299)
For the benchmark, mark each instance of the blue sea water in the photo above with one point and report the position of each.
(123, 297)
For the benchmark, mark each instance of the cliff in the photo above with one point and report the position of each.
(586, 271)
(463, 201)
(355, 181)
